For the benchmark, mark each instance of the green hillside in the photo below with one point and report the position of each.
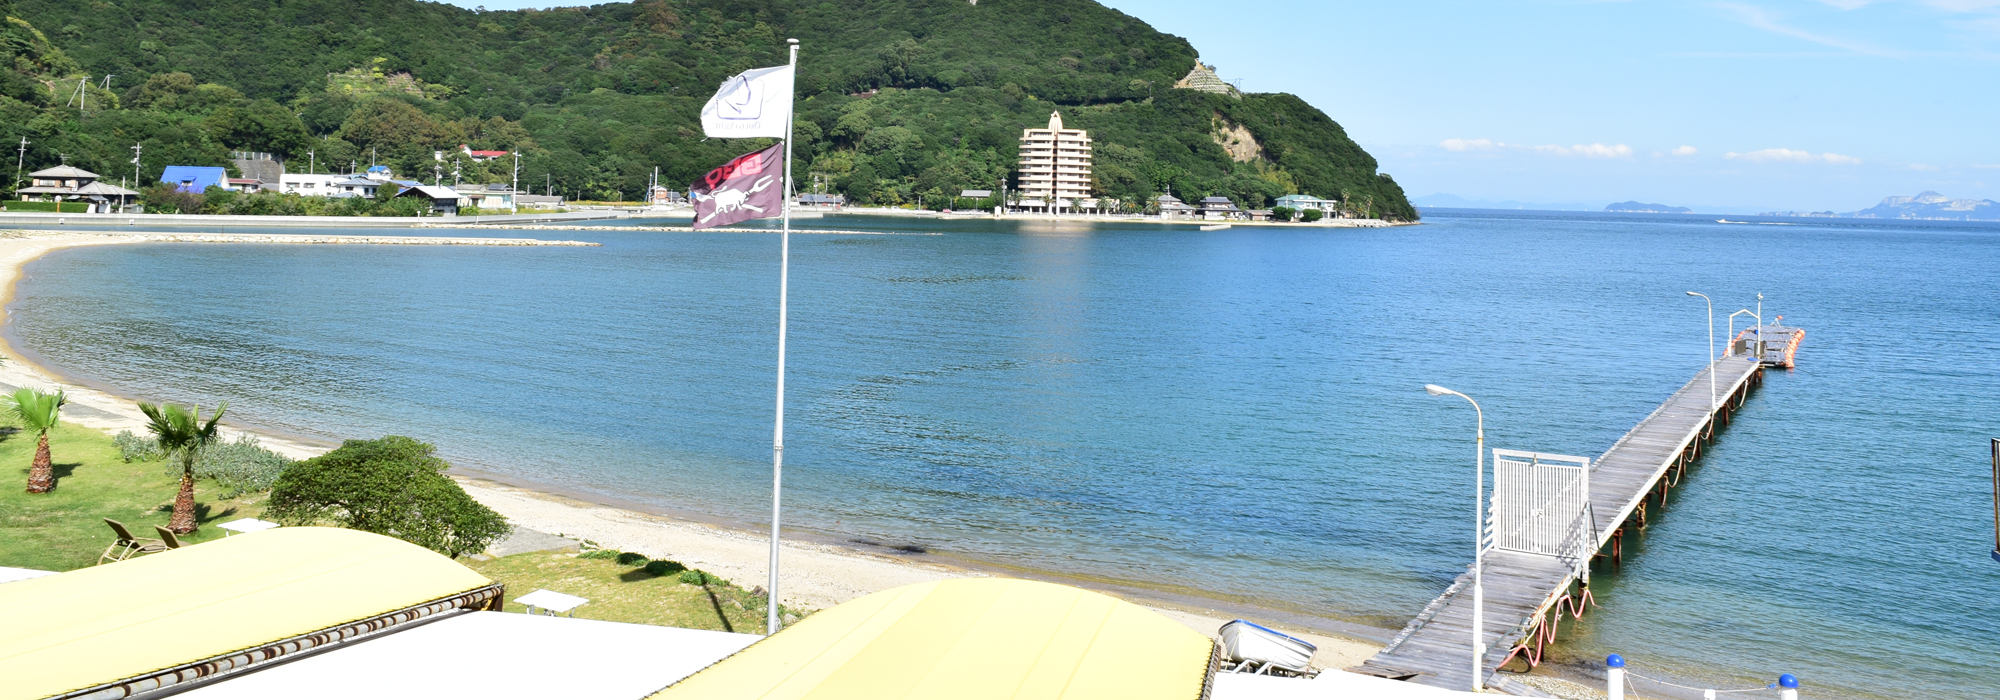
(901, 98)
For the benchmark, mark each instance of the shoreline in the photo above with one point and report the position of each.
(821, 570)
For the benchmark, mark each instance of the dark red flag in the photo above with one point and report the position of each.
(750, 187)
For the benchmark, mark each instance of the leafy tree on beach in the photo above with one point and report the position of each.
(181, 433)
(38, 411)
(394, 486)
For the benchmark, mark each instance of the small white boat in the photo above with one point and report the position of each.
(1215, 227)
(1252, 645)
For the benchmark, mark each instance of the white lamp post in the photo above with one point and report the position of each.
(1711, 348)
(1478, 537)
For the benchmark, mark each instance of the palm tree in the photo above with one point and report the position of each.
(181, 433)
(39, 412)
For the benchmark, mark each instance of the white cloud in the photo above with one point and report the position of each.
(1463, 145)
(1786, 155)
(1685, 151)
(1758, 18)
(1595, 150)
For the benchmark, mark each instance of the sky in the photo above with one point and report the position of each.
(1736, 106)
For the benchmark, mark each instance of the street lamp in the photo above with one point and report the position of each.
(1478, 536)
(1711, 348)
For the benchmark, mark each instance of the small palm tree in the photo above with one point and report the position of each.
(39, 412)
(182, 434)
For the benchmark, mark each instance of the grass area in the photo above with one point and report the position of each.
(64, 529)
(626, 593)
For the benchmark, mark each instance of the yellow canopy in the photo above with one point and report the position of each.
(967, 639)
(110, 623)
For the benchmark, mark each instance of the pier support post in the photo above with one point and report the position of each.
(1614, 677)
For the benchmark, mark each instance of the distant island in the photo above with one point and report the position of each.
(1926, 205)
(1636, 207)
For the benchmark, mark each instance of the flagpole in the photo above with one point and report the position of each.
(778, 431)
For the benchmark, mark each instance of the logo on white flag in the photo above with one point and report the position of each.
(755, 103)
(739, 100)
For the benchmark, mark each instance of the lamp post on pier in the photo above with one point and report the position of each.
(1711, 348)
(1478, 536)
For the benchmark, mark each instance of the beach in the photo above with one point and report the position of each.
(815, 576)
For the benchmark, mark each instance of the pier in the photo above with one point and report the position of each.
(1527, 593)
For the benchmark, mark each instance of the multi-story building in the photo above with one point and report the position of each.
(1055, 166)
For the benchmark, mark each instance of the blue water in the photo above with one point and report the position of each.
(1235, 412)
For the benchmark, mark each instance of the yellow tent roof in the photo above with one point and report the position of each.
(109, 623)
(967, 639)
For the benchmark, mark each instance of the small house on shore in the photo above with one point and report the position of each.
(1219, 209)
(444, 200)
(193, 178)
(1172, 207)
(65, 183)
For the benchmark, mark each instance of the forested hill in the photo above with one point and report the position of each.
(901, 98)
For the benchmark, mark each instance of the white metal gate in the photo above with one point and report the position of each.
(1541, 505)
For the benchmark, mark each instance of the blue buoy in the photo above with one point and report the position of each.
(1788, 681)
(1614, 661)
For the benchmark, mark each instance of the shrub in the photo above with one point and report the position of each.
(631, 559)
(394, 486)
(51, 207)
(1311, 215)
(600, 554)
(240, 467)
(133, 448)
(1281, 213)
(698, 577)
(663, 567)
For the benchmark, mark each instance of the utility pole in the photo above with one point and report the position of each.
(137, 148)
(514, 191)
(20, 160)
(437, 174)
(312, 163)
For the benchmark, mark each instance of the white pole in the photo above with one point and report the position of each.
(514, 191)
(1478, 537)
(778, 431)
(1479, 552)
(1711, 351)
(1614, 677)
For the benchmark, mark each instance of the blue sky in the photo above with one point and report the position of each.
(1744, 105)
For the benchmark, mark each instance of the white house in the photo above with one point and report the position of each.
(309, 184)
(1302, 202)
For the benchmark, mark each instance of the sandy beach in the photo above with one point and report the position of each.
(814, 576)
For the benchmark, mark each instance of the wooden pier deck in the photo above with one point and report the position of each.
(1523, 589)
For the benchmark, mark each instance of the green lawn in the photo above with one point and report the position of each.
(622, 593)
(64, 529)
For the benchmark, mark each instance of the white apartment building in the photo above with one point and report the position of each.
(1055, 166)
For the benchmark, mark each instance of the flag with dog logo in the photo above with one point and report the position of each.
(749, 187)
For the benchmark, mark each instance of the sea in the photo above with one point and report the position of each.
(1234, 414)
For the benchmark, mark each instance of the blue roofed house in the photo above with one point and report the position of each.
(193, 178)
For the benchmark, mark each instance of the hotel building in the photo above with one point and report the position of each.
(1055, 166)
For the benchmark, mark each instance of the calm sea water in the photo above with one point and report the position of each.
(1237, 412)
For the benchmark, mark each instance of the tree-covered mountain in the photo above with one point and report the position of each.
(900, 99)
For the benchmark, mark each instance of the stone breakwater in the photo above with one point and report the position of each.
(689, 229)
(296, 238)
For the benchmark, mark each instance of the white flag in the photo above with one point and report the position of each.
(755, 103)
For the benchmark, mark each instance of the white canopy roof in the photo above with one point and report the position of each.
(492, 656)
